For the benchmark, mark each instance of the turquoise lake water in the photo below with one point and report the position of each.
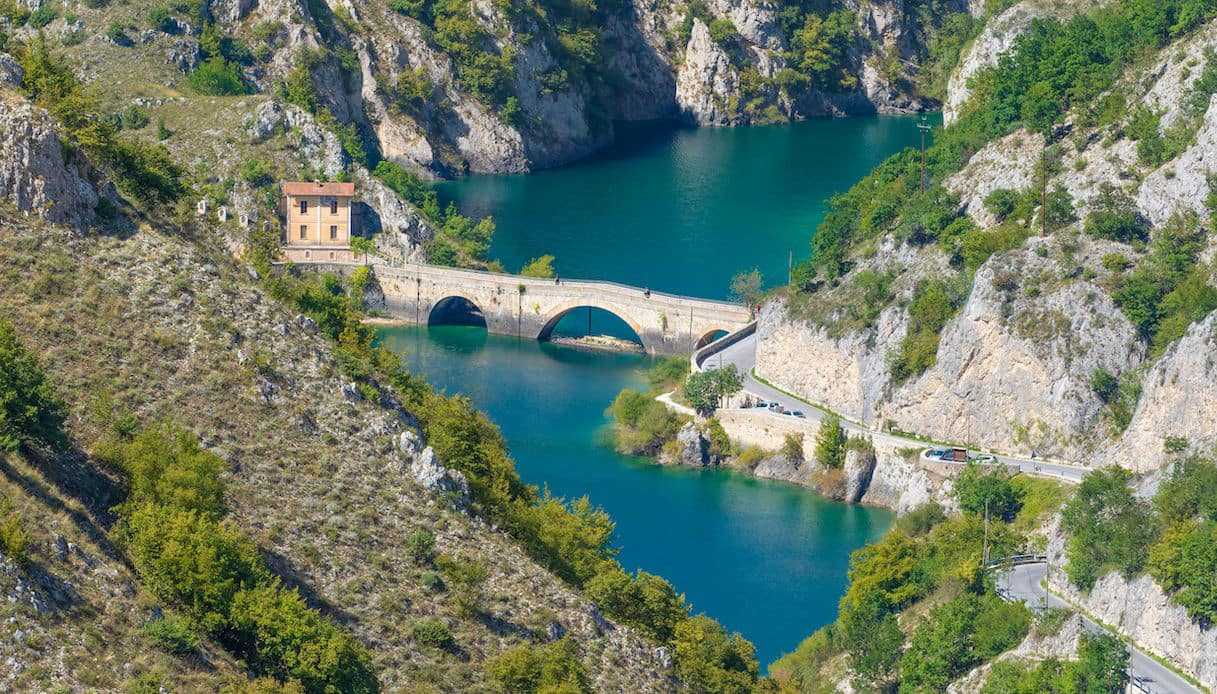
(682, 210)
(678, 210)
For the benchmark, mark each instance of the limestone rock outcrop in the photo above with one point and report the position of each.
(1179, 398)
(1139, 609)
(39, 172)
(706, 80)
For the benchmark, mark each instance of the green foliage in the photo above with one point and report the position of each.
(1108, 528)
(542, 267)
(549, 668)
(958, 636)
(641, 424)
(145, 172)
(1001, 202)
(256, 173)
(830, 442)
(723, 32)
(1102, 668)
(459, 241)
(42, 16)
(432, 633)
(1168, 291)
(706, 390)
(1113, 215)
(158, 18)
(174, 635)
(819, 47)
(1184, 559)
(30, 411)
(14, 540)
(710, 660)
(133, 118)
(117, 32)
(644, 601)
(666, 372)
(746, 287)
(167, 467)
(874, 641)
(162, 133)
(934, 303)
(217, 77)
(920, 520)
(792, 447)
(993, 491)
(190, 561)
(283, 637)
(420, 547)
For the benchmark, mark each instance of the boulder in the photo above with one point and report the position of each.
(11, 71)
(859, 468)
(428, 472)
(694, 446)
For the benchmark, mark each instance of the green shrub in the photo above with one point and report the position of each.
(14, 540)
(30, 411)
(174, 635)
(117, 32)
(192, 562)
(542, 267)
(641, 424)
(958, 636)
(167, 467)
(666, 372)
(217, 77)
(1108, 528)
(920, 520)
(1114, 216)
(431, 582)
(158, 18)
(710, 660)
(551, 667)
(830, 442)
(644, 601)
(42, 16)
(280, 636)
(992, 493)
(1001, 202)
(133, 118)
(420, 547)
(706, 390)
(433, 634)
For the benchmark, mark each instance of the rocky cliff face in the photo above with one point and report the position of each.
(1139, 609)
(39, 173)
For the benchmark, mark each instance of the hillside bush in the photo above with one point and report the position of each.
(552, 667)
(830, 442)
(1108, 528)
(217, 77)
(174, 635)
(432, 633)
(30, 410)
(992, 492)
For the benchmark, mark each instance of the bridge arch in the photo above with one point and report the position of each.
(456, 308)
(712, 335)
(555, 314)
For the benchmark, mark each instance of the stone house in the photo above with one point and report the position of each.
(320, 221)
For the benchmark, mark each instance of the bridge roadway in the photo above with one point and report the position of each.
(529, 307)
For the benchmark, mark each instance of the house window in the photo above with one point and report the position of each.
(303, 231)
(304, 207)
(333, 232)
(333, 207)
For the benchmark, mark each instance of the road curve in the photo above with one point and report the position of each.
(1023, 583)
(743, 355)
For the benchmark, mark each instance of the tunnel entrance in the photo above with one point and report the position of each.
(456, 310)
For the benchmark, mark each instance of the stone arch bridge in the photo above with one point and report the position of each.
(530, 308)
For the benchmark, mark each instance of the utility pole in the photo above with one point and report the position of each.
(1044, 190)
(790, 268)
(985, 560)
(924, 127)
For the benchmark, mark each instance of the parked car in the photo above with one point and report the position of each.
(797, 413)
(761, 403)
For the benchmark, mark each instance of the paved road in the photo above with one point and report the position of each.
(1023, 583)
(743, 355)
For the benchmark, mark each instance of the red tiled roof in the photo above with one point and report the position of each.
(316, 188)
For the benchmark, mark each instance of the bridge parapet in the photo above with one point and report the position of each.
(531, 307)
